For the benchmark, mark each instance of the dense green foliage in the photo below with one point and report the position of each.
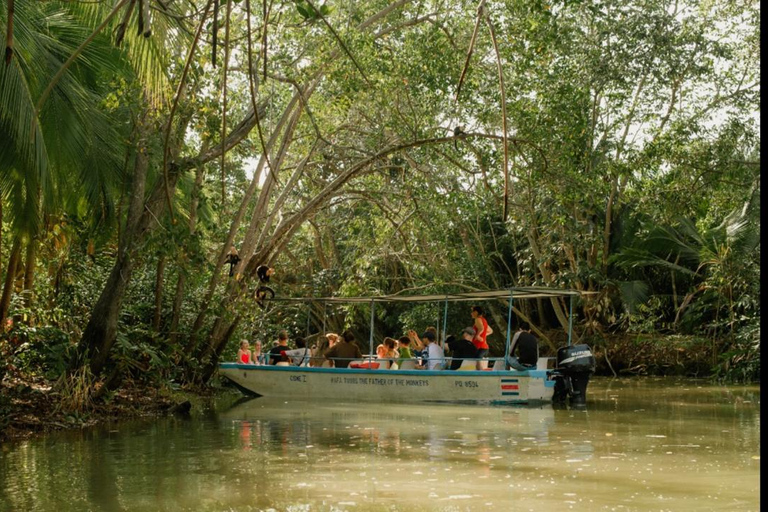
(632, 172)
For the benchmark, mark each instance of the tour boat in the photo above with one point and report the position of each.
(367, 380)
(374, 384)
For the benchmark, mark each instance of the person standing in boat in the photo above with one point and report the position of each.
(480, 338)
(344, 351)
(527, 347)
(275, 353)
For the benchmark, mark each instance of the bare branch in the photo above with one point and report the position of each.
(471, 47)
(338, 38)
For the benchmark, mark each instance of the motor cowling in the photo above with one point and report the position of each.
(575, 365)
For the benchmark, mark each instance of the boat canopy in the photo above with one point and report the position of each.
(530, 292)
(507, 294)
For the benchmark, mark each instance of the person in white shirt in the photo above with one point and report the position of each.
(301, 355)
(433, 352)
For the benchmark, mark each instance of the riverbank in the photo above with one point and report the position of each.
(32, 406)
(659, 355)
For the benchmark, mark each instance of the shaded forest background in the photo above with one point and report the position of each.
(602, 146)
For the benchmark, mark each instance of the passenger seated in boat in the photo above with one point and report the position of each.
(256, 355)
(417, 344)
(387, 351)
(433, 353)
(300, 355)
(344, 351)
(275, 355)
(527, 348)
(461, 348)
(403, 350)
(244, 354)
(318, 355)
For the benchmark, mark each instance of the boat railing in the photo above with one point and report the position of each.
(371, 361)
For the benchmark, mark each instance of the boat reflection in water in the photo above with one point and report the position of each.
(439, 430)
(404, 455)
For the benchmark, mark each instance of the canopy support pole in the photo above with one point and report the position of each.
(445, 324)
(570, 321)
(370, 337)
(509, 325)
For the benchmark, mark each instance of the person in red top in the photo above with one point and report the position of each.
(244, 355)
(480, 339)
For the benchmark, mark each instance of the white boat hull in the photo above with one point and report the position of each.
(491, 386)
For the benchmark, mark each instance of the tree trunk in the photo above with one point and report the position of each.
(547, 275)
(219, 342)
(256, 249)
(101, 330)
(158, 293)
(29, 271)
(235, 225)
(182, 279)
(1, 231)
(178, 298)
(99, 334)
(10, 278)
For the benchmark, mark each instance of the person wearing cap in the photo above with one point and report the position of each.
(432, 351)
(318, 358)
(344, 351)
(461, 348)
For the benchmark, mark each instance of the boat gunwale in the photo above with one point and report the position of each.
(533, 373)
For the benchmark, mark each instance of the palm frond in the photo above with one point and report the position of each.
(633, 293)
(632, 258)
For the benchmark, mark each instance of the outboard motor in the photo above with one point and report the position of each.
(575, 364)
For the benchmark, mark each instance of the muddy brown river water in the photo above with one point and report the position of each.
(641, 444)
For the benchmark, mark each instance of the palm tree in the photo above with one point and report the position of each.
(67, 156)
(718, 261)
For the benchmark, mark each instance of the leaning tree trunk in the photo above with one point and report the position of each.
(282, 234)
(10, 279)
(29, 271)
(101, 330)
(99, 335)
(210, 365)
(252, 258)
(1, 231)
(238, 217)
